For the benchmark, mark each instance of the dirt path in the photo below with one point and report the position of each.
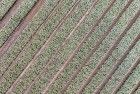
(14, 62)
(119, 61)
(106, 56)
(135, 88)
(62, 45)
(22, 25)
(93, 51)
(10, 13)
(0, 1)
(77, 48)
(130, 71)
(45, 45)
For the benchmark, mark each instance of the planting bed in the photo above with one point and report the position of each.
(70, 47)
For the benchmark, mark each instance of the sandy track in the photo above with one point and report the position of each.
(10, 13)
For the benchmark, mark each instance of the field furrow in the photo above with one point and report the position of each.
(69, 47)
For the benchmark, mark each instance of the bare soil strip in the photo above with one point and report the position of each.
(45, 45)
(77, 48)
(135, 88)
(126, 76)
(106, 56)
(119, 61)
(10, 13)
(30, 39)
(63, 44)
(22, 25)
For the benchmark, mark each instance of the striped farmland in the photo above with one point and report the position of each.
(70, 47)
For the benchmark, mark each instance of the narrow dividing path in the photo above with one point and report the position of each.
(10, 13)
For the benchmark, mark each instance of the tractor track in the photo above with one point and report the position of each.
(119, 61)
(78, 47)
(106, 56)
(45, 45)
(10, 13)
(22, 25)
(130, 71)
(13, 62)
(135, 88)
(93, 51)
(54, 80)
(63, 44)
